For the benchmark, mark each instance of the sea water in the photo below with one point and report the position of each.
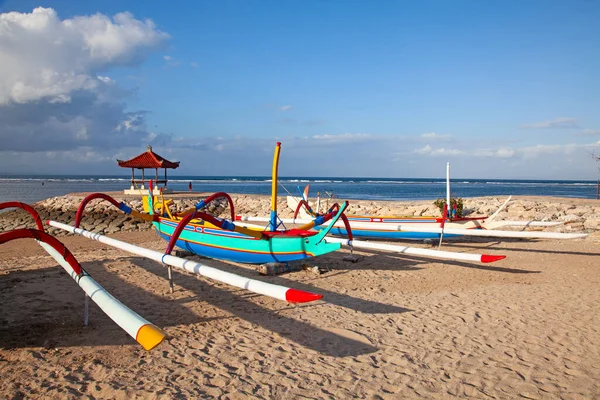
(32, 188)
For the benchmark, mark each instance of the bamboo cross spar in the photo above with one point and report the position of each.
(268, 289)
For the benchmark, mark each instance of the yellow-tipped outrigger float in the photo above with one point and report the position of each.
(145, 333)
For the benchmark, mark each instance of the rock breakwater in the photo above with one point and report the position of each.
(99, 216)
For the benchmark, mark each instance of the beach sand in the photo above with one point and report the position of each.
(389, 326)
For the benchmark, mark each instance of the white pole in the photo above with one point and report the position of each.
(447, 255)
(526, 224)
(318, 210)
(494, 215)
(245, 218)
(145, 333)
(267, 289)
(496, 233)
(388, 227)
(86, 311)
(448, 188)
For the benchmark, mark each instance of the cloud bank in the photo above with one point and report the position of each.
(54, 92)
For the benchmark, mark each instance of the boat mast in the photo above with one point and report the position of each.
(448, 189)
(273, 219)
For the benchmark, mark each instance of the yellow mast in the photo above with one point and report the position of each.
(273, 221)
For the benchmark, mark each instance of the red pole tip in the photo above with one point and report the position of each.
(300, 296)
(486, 258)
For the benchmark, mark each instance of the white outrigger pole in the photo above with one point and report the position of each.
(390, 227)
(448, 189)
(446, 255)
(145, 333)
(268, 289)
(416, 251)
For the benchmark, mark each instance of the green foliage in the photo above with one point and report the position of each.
(440, 203)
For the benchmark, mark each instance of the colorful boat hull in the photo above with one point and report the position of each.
(232, 246)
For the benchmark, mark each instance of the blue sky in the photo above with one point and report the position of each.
(501, 89)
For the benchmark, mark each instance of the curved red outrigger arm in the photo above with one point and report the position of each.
(304, 203)
(214, 196)
(221, 223)
(321, 219)
(46, 238)
(120, 205)
(26, 207)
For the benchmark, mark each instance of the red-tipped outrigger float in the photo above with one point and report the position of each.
(145, 333)
(276, 291)
(207, 235)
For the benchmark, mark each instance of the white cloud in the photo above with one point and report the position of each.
(436, 136)
(44, 57)
(553, 149)
(52, 96)
(171, 61)
(105, 79)
(505, 152)
(430, 151)
(590, 132)
(508, 152)
(557, 123)
(285, 108)
(344, 137)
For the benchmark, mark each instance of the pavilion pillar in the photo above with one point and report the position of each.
(165, 177)
(132, 179)
(143, 179)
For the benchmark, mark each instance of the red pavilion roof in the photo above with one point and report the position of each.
(148, 159)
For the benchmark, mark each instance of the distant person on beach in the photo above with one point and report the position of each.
(190, 187)
(42, 183)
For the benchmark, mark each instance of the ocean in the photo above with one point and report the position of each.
(32, 188)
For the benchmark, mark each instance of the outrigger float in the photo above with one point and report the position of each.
(144, 332)
(268, 289)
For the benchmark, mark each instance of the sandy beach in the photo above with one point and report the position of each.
(389, 326)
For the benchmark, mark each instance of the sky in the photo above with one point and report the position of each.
(351, 88)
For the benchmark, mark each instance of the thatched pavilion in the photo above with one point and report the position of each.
(147, 160)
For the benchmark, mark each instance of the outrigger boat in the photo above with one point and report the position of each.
(218, 238)
(421, 228)
(207, 235)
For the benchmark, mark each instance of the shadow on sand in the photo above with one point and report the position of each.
(49, 314)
